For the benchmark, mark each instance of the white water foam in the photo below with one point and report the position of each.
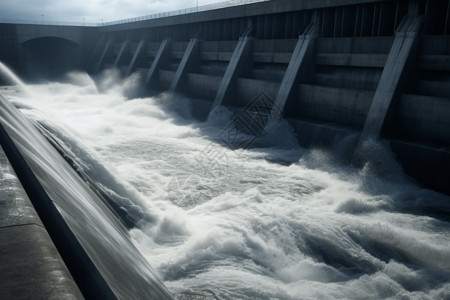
(271, 222)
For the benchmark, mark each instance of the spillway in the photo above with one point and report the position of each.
(272, 220)
(279, 149)
(92, 241)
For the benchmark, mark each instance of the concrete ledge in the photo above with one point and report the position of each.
(278, 46)
(30, 265)
(362, 45)
(202, 86)
(218, 46)
(216, 56)
(344, 106)
(281, 58)
(428, 165)
(425, 117)
(349, 79)
(434, 62)
(313, 134)
(434, 88)
(248, 89)
(352, 60)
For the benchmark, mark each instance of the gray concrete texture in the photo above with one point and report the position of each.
(352, 74)
(30, 265)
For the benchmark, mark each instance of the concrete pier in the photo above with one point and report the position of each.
(238, 63)
(161, 59)
(190, 57)
(134, 60)
(119, 57)
(103, 56)
(368, 67)
(301, 60)
(402, 55)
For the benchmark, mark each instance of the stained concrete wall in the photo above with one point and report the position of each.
(336, 90)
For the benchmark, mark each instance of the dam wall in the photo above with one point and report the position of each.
(331, 68)
(380, 69)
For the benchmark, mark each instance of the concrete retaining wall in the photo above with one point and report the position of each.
(30, 264)
(336, 88)
(347, 80)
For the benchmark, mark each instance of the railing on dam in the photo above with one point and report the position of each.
(207, 7)
(187, 11)
(46, 22)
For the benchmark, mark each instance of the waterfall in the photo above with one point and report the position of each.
(94, 230)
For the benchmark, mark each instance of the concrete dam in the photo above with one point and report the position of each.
(367, 81)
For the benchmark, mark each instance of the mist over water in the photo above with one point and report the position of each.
(273, 221)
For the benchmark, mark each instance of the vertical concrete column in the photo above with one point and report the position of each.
(160, 59)
(102, 57)
(119, 56)
(300, 60)
(400, 59)
(190, 56)
(136, 55)
(97, 48)
(241, 56)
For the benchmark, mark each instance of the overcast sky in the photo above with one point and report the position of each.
(93, 11)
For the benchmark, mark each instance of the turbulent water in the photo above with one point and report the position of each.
(270, 221)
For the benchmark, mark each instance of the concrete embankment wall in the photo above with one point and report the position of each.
(30, 264)
(374, 68)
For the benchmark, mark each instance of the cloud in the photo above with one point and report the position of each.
(91, 11)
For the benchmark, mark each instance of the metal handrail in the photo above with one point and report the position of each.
(186, 11)
(207, 7)
(45, 22)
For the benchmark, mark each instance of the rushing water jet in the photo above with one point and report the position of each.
(8, 75)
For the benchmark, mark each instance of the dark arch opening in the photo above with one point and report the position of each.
(49, 57)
